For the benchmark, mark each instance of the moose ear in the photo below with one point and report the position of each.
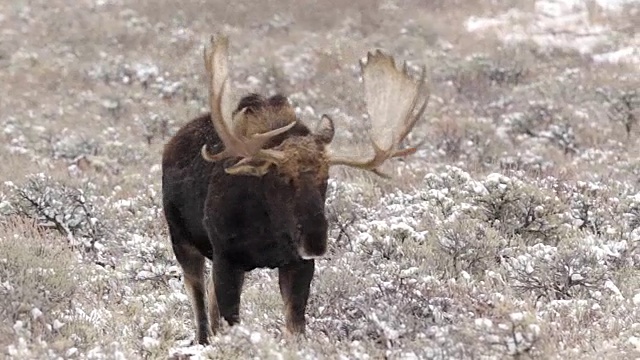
(325, 130)
(244, 168)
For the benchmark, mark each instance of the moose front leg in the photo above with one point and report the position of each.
(192, 263)
(225, 288)
(295, 281)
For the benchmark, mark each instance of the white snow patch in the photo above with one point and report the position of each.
(409, 271)
(123, 204)
(629, 54)
(614, 289)
(484, 323)
(576, 277)
(465, 275)
(613, 5)
(71, 352)
(535, 329)
(149, 342)
(19, 325)
(255, 337)
(559, 24)
(516, 317)
(635, 341)
(57, 324)
(36, 313)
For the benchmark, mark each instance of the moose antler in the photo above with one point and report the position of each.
(216, 56)
(391, 97)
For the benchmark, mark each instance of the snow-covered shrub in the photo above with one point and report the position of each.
(517, 335)
(516, 209)
(593, 207)
(465, 244)
(555, 273)
(472, 140)
(68, 146)
(155, 127)
(36, 285)
(448, 192)
(630, 208)
(472, 76)
(58, 206)
(521, 210)
(544, 120)
(623, 107)
(117, 149)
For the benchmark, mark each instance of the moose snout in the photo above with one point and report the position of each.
(313, 240)
(311, 249)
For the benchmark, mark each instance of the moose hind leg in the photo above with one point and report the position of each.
(295, 281)
(225, 288)
(192, 263)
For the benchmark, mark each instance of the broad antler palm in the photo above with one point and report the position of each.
(391, 97)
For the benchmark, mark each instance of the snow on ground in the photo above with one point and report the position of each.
(564, 24)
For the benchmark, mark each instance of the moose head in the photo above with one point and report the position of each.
(297, 168)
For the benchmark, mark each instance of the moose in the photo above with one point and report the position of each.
(245, 186)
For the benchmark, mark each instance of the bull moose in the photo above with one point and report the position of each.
(245, 186)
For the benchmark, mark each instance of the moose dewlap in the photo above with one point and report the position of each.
(244, 185)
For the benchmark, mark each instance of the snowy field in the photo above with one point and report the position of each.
(514, 232)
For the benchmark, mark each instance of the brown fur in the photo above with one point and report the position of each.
(261, 203)
(242, 222)
(303, 157)
(262, 115)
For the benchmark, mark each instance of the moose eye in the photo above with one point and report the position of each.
(284, 181)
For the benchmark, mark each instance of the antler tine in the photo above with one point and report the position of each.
(394, 105)
(217, 68)
(216, 57)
